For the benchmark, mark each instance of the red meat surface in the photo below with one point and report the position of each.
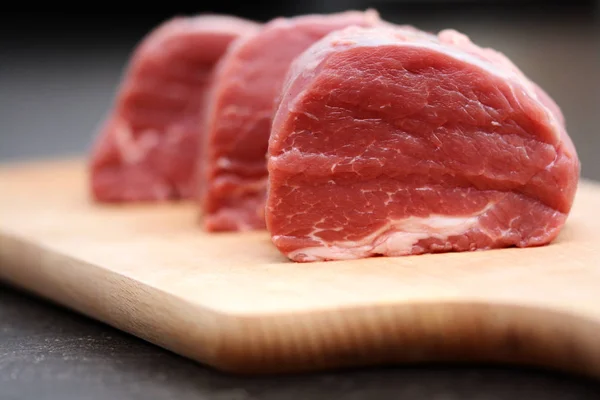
(148, 146)
(247, 82)
(388, 142)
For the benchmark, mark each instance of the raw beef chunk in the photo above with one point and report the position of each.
(390, 142)
(147, 148)
(247, 82)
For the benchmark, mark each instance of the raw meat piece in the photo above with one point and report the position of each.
(147, 148)
(388, 142)
(247, 82)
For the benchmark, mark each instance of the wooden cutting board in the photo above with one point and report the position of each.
(233, 302)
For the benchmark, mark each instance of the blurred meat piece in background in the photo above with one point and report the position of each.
(247, 82)
(148, 147)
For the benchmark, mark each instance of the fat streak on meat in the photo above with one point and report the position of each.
(148, 145)
(247, 82)
(390, 142)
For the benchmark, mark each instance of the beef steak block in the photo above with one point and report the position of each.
(148, 145)
(390, 142)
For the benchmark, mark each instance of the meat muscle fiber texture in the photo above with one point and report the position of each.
(147, 147)
(390, 142)
(247, 82)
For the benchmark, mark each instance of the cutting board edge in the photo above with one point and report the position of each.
(33, 268)
(294, 342)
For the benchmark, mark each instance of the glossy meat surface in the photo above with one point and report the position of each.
(247, 84)
(391, 142)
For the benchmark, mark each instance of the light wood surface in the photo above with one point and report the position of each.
(233, 302)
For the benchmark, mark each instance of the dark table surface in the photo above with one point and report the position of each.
(56, 85)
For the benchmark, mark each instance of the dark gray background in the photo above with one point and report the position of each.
(58, 74)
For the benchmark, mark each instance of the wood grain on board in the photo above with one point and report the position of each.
(231, 301)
